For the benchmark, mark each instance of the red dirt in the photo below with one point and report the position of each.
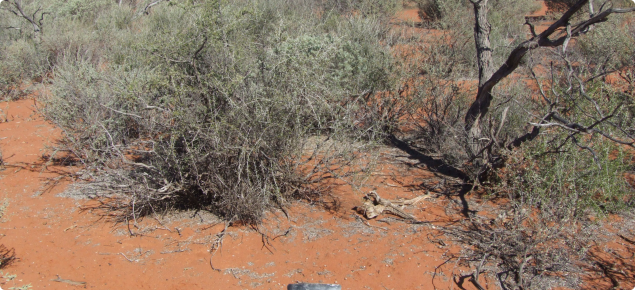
(54, 239)
(408, 15)
(541, 13)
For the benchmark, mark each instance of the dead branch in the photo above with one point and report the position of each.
(218, 244)
(15, 7)
(481, 104)
(146, 10)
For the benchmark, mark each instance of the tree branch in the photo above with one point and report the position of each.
(481, 104)
(146, 10)
(17, 4)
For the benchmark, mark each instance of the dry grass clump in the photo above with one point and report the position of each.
(523, 250)
(7, 256)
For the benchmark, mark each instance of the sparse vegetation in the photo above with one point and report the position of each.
(236, 107)
(12, 278)
(559, 6)
(7, 255)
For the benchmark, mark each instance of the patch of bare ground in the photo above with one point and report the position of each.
(611, 263)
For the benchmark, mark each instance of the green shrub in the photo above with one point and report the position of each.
(84, 10)
(363, 8)
(21, 60)
(214, 105)
(572, 175)
(609, 46)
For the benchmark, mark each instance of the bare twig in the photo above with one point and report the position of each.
(15, 7)
(146, 10)
(218, 244)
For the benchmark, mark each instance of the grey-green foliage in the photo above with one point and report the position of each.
(347, 66)
(611, 45)
(361, 7)
(573, 175)
(20, 56)
(26, 54)
(21, 59)
(210, 105)
(85, 10)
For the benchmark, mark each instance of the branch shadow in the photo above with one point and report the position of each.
(51, 172)
(437, 166)
(613, 268)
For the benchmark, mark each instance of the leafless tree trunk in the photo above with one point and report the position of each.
(15, 7)
(482, 30)
(483, 149)
(488, 78)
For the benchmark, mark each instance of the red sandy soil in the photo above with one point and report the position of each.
(55, 240)
(411, 16)
(408, 15)
(61, 246)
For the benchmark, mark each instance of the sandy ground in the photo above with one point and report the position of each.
(61, 246)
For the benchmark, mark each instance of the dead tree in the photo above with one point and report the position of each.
(35, 19)
(559, 34)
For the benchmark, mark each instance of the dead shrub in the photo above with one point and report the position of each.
(524, 248)
(7, 256)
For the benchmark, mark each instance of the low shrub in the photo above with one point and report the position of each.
(7, 256)
(609, 46)
(593, 186)
(232, 107)
(430, 10)
(360, 7)
(544, 224)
